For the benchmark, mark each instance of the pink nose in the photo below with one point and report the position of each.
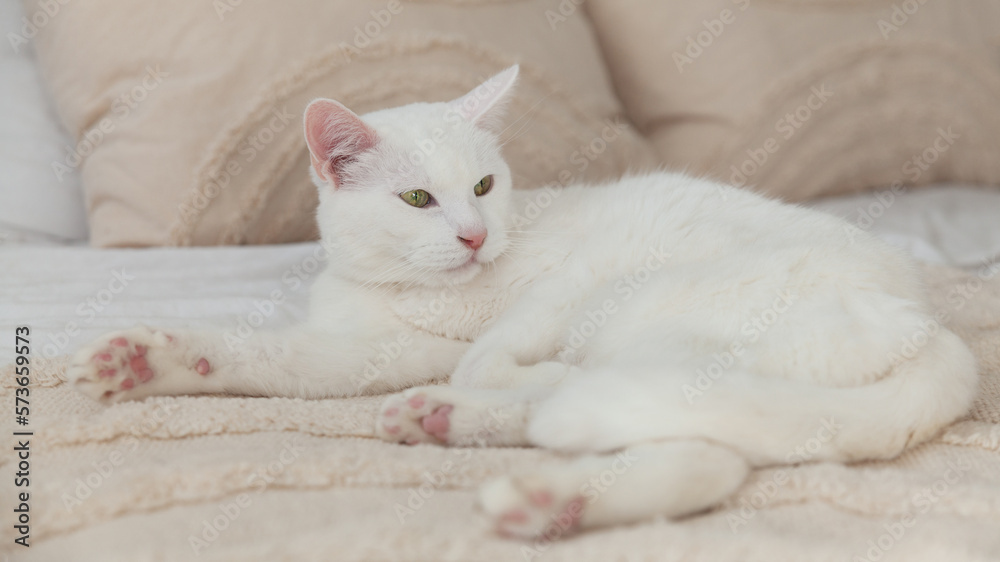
(475, 239)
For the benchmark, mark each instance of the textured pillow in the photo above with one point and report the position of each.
(188, 113)
(811, 97)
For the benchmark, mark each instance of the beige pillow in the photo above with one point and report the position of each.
(811, 97)
(188, 113)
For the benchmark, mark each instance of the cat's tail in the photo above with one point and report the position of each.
(768, 421)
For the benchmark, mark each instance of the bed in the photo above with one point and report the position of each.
(231, 478)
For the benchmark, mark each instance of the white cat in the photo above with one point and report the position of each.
(669, 331)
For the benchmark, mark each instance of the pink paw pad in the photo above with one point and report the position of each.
(119, 342)
(392, 429)
(416, 402)
(391, 412)
(106, 373)
(139, 366)
(437, 423)
(128, 384)
(540, 498)
(203, 367)
(103, 357)
(137, 363)
(514, 516)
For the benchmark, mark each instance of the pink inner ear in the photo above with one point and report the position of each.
(335, 136)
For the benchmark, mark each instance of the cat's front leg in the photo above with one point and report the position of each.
(497, 384)
(519, 348)
(140, 361)
(495, 363)
(301, 362)
(490, 401)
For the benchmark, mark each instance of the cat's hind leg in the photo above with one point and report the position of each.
(767, 420)
(670, 478)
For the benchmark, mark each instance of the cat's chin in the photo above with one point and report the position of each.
(459, 275)
(462, 274)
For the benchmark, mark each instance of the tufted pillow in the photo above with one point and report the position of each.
(803, 98)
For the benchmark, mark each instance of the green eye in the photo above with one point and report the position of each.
(417, 197)
(484, 186)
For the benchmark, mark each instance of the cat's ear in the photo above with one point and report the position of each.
(484, 106)
(335, 136)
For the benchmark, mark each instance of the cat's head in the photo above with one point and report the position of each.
(414, 194)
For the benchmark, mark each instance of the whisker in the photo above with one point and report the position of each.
(525, 114)
(519, 133)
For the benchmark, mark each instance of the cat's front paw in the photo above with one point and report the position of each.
(447, 415)
(533, 505)
(412, 417)
(132, 364)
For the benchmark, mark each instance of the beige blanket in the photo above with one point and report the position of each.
(248, 479)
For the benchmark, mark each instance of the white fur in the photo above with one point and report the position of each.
(707, 326)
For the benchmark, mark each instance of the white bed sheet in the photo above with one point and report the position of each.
(56, 290)
(51, 289)
(954, 225)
